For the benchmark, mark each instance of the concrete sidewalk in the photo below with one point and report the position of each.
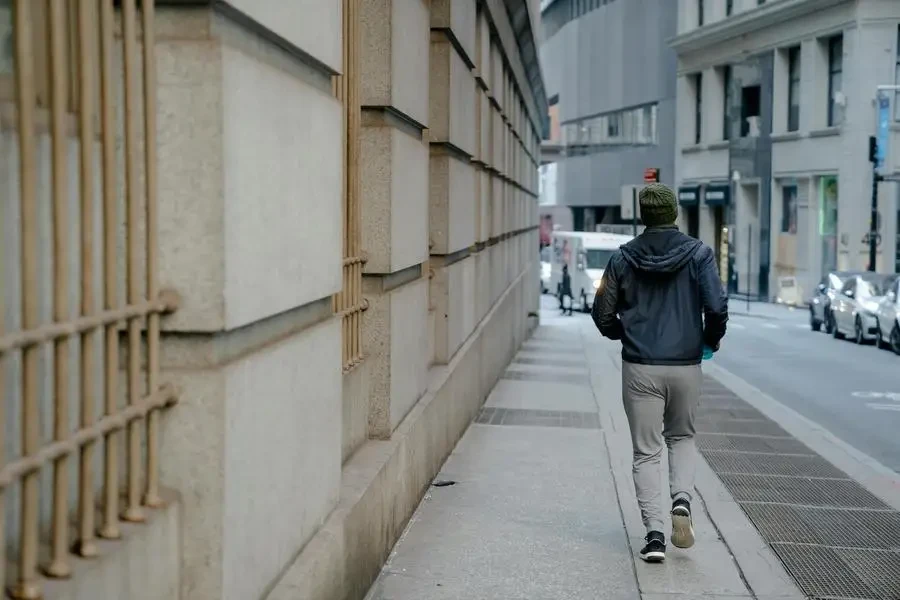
(542, 504)
(764, 310)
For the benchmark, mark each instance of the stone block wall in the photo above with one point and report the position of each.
(295, 477)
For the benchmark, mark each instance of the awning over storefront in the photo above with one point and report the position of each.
(689, 195)
(717, 194)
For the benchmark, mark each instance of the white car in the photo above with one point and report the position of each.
(888, 333)
(546, 270)
(855, 309)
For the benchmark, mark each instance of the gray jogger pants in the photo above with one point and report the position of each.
(660, 402)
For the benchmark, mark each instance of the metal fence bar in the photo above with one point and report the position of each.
(56, 58)
(165, 302)
(59, 550)
(165, 396)
(348, 303)
(109, 527)
(353, 183)
(133, 511)
(86, 545)
(27, 586)
(151, 494)
(2, 450)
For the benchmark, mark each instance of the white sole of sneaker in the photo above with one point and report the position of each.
(682, 530)
(653, 557)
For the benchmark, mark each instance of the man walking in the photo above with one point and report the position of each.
(565, 291)
(661, 295)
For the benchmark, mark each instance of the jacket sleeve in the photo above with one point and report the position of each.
(714, 299)
(606, 301)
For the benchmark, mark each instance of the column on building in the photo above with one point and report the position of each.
(394, 178)
(483, 181)
(250, 236)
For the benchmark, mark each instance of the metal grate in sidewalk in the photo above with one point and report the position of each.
(835, 538)
(491, 415)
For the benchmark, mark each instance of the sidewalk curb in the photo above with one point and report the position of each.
(737, 313)
(871, 474)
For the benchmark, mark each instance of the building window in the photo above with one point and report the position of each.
(835, 80)
(700, 14)
(789, 209)
(634, 127)
(794, 89)
(897, 82)
(698, 108)
(750, 110)
(729, 7)
(726, 108)
(612, 128)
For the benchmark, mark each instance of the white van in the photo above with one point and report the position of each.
(587, 255)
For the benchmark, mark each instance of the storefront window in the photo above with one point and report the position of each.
(828, 221)
(789, 209)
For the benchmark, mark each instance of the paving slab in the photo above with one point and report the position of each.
(533, 515)
(540, 395)
(549, 512)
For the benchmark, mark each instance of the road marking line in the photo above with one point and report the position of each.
(895, 396)
(770, 326)
(737, 326)
(893, 407)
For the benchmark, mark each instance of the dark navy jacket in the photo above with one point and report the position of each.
(661, 295)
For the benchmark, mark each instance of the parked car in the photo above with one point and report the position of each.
(820, 304)
(888, 333)
(855, 309)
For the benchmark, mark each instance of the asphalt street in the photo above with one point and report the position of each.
(853, 391)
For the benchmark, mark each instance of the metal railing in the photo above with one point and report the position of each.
(63, 73)
(349, 303)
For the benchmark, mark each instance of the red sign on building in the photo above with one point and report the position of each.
(651, 175)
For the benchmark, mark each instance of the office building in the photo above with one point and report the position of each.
(610, 77)
(776, 104)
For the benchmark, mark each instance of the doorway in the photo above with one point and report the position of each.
(720, 245)
(692, 220)
(828, 219)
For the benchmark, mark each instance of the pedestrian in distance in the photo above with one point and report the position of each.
(565, 290)
(662, 297)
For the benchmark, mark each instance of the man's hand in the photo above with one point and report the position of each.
(715, 301)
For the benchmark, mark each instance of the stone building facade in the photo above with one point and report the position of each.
(344, 220)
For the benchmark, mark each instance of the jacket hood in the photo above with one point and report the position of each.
(660, 250)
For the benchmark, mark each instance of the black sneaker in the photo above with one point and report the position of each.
(655, 550)
(682, 524)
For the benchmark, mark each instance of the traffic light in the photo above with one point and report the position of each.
(873, 149)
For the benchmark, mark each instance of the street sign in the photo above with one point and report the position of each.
(651, 175)
(627, 203)
(884, 128)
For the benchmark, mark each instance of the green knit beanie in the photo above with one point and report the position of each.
(658, 205)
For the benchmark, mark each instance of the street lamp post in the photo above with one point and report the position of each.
(731, 211)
